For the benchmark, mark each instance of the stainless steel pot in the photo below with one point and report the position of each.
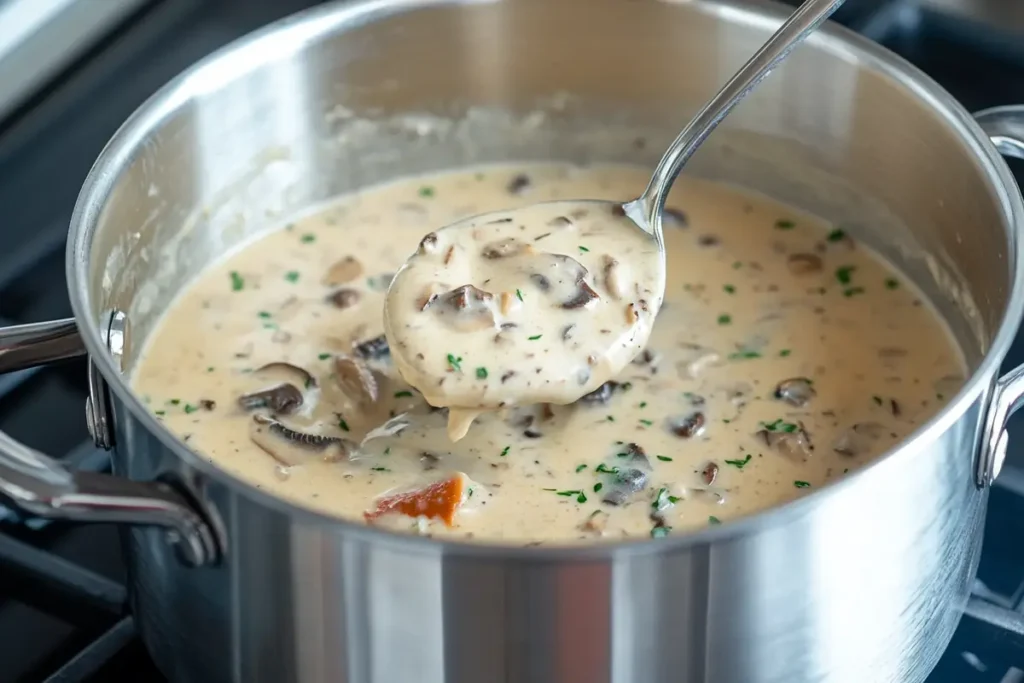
(862, 581)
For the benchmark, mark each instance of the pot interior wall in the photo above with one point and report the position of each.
(369, 91)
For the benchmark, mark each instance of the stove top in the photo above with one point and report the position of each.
(63, 612)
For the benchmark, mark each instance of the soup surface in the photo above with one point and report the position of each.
(784, 356)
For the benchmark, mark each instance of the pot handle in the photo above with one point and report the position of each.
(1005, 128)
(42, 487)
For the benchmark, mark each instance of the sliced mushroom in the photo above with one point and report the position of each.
(796, 391)
(859, 439)
(543, 284)
(291, 447)
(687, 426)
(373, 349)
(582, 298)
(675, 218)
(710, 473)
(600, 395)
(793, 441)
(428, 245)
(803, 263)
(467, 308)
(356, 380)
(614, 277)
(342, 272)
(287, 371)
(505, 248)
(631, 477)
(596, 522)
(344, 298)
(282, 398)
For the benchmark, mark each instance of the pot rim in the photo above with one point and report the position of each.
(290, 35)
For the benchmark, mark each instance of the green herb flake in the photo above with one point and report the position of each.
(380, 469)
(292, 276)
(583, 248)
(161, 413)
(210, 369)
(189, 408)
(783, 224)
(403, 394)
(646, 423)
(663, 458)
(784, 353)
(342, 424)
(426, 191)
(481, 373)
(744, 355)
(643, 404)
(580, 468)
(877, 400)
(729, 289)
(175, 401)
(604, 469)
(323, 356)
(740, 464)
(892, 283)
(724, 319)
(836, 235)
(625, 386)
(736, 265)
(713, 520)
(780, 425)
(455, 362)
(660, 531)
(852, 291)
(237, 281)
(519, 294)
(610, 418)
(265, 315)
(308, 238)
(598, 486)
(845, 274)
(580, 496)
(505, 450)
(387, 451)
(535, 337)
(802, 484)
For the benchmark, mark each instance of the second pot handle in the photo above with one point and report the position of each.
(42, 487)
(1005, 128)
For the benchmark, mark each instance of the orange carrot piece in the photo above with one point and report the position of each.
(439, 500)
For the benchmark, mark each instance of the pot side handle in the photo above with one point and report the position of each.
(42, 487)
(1005, 128)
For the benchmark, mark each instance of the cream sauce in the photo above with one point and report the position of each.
(784, 356)
(539, 305)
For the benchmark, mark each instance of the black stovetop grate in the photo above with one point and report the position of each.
(63, 608)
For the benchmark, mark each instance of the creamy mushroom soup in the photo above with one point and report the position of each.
(784, 356)
(558, 297)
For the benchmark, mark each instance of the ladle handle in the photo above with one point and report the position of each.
(808, 17)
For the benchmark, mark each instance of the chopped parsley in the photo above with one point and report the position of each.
(877, 400)
(610, 418)
(647, 423)
(324, 356)
(740, 464)
(784, 225)
(519, 294)
(604, 469)
(342, 423)
(660, 531)
(535, 337)
(237, 281)
(161, 413)
(736, 265)
(714, 520)
(292, 276)
(784, 352)
(380, 469)
(852, 291)
(836, 235)
(583, 248)
(505, 450)
(403, 394)
(580, 496)
(598, 486)
(426, 191)
(481, 373)
(845, 274)
(175, 401)
(643, 404)
(802, 484)
(209, 369)
(663, 458)
(455, 362)
(892, 283)
(662, 499)
(724, 319)
(308, 238)
(744, 355)
(729, 289)
(580, 468)
(189, 408)
(780, 426)
(265, 315)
